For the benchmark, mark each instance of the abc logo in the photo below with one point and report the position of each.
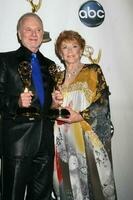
(91, 14)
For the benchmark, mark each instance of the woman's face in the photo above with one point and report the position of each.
(70, 51)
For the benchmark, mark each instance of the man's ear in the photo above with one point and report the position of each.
(19, 37)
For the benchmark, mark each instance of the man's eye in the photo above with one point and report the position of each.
(39, 30)
(28, 29)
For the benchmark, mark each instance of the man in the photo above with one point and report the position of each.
(28, 144)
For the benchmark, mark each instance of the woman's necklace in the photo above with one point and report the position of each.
(73, 73)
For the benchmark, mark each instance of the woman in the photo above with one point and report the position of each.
(83, 165)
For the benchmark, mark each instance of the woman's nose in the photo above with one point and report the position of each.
(69, 49)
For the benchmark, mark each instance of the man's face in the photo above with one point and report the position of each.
(31, 33)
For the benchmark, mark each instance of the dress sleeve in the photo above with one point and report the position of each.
(98, 113)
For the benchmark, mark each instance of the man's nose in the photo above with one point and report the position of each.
(34, 32)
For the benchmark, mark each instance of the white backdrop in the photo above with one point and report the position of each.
(115, 38)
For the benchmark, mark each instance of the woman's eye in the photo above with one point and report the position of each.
(65, 47)
(75, 46)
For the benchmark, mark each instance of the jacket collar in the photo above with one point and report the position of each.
(25, 54)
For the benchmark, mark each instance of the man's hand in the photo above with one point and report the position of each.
(25, 99)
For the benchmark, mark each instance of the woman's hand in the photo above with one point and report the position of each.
(57, 99)
(25, 99)
(74, 117)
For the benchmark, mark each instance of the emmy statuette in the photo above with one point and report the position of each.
(58, 77)
(31, 113)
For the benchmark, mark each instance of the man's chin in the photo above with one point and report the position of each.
(33, 48)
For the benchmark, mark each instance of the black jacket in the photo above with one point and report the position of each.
(23, 138)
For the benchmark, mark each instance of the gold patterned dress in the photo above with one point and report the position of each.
(83, 165)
